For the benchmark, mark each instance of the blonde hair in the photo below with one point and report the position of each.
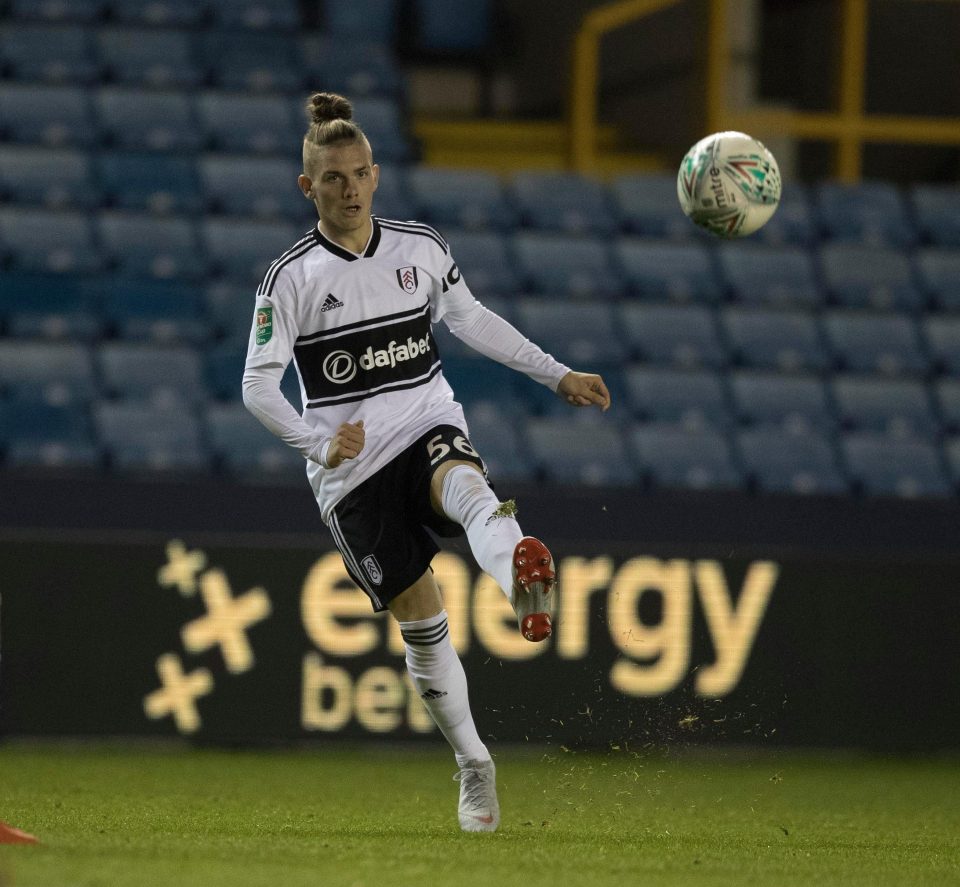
(331, 122)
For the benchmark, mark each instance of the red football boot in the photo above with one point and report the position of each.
(534, 580)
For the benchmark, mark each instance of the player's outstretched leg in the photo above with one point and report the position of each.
(520, 564)
(479, 809)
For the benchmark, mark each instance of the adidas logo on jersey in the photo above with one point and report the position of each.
(331, 302)
(433, 694)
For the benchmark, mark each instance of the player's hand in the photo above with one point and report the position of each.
(583, 390)
(347, 443)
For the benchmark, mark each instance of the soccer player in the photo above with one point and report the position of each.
(385, 443)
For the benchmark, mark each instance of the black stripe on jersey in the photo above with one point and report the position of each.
(416, 228)
(298, 249)
(370, 392)
(345, 254)
(361, 324)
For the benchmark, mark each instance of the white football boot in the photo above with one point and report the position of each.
(479, 809)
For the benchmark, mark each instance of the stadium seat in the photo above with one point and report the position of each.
(793, 222)
(158, 59)
(951, 451)
(141, 120)
(795, 404)
(555, 201)
(78, 11)
(144, 436)
(587, 452)
(869, 277)
(255, 14)
(470, 199)
(269, 187)
(942, 335)
(873, 213)
(452, 27)
(166, 375)
(252, 61)
(245, 448)
(780, 461)
(159, 13)
(559, 265)
(52, 178)
(937, 208)
(49, 306)
(662, 271)
(778, 277)
(224, 368)
(384, 126)
(390, 201)
(38, 240)
(158, 311)
(25, 53)
(788, 341)
(884, 466)
(647, 205)
(485, 261)
(242, 249)
(476, 379)
(248, 123)
(374, 20)
(56, 373)
(75, 453)
(900, 408)
(682, 335)
(164, 248)
(579, 337)
(493, 432)
(939, 273)
(356, 68)
(694, 399)
(678, 457)
(947, 392)
(40, 422)
(154, 183)
(53, 116)
(875, 343)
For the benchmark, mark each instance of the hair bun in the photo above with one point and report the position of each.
(325, 106)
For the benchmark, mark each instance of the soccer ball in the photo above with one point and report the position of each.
(729, 183)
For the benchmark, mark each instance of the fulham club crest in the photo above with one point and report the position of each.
(407, 278)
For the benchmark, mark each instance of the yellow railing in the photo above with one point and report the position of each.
(849, 127)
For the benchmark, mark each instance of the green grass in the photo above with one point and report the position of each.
(145, 816)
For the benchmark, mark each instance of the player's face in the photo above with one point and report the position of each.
(344, 179)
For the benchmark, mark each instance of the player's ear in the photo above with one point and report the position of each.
(375, 169)
(306, 185)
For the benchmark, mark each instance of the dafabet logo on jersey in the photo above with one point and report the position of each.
(264, 325)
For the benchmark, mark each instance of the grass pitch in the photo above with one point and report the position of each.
(114, 816)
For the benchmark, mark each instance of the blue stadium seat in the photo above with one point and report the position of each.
(779, 277)
(56, 373)
(793, 223)
(884, 466)
(682, 335)
(900, 408)
(374, 20)
(79, 11)
(38, 240)
(54, 116)
(149, 437)
(390, 201)
(647, 205)
(242, 249)
(252, 61)
(164, 248)
(938, 213)
(948, 403)
(476, 379)
(384, 125)
(141, 120)
(780, 461)
(951, 451)
(868, 277)
(467, 198)
(269, 187)
(485, 261)
(556, 201)
(41, 434)
(492, 430)
(52, 178)
(942, 334)
(255, 14)
(49, 306)
(224, 367)
(875, 343)
(159, 59)
(154, 183)
(694, 399)
(452, 27)
(670, 456)
(166, 375)
(248, 123)
(25, 53)
(560, 265)
(795, 404)
(662, 271)
(356, 68)
(245, 448)
(584, 338)
(158, 311)
(873, 213)
(159, 13)
(587, 452)
(939, 274)
(765, 338)
(229, 307)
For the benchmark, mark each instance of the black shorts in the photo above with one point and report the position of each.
(381, 526)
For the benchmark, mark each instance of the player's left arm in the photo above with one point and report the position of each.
(584, 390)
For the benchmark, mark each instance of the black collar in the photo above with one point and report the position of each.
(345, 254)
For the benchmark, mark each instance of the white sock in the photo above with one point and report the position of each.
(438, 675)
(469, 501)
